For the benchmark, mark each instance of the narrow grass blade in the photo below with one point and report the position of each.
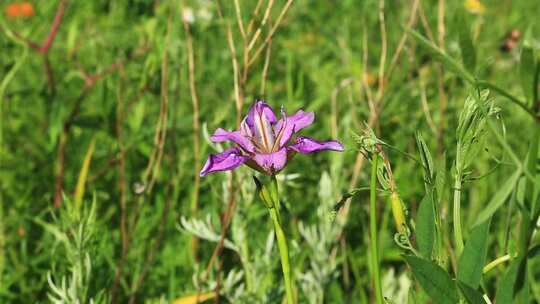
(512, 98)
(449, 63)
(499, 198)
(425, 157)
(468, 53)
(83, 174)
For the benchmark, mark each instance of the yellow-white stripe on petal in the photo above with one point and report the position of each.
(266, 134)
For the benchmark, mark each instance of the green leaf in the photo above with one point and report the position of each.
(505, 288)
(425, 157)
(504, 93)
(471, 295)
(425, 226)
(468, 53)
(499, 198)
(473, 258)
(449, 63)
(434, 280)
(532, 189)
(527, 70)
(440, 179)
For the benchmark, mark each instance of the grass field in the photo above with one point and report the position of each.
(107, 111)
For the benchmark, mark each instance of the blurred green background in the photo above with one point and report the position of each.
(102, 138)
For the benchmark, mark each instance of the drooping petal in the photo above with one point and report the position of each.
(226, 160)
(221, 135)
(271, 163)
(288, 125)
(307, 145)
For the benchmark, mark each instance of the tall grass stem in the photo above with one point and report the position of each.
(458, 236)
(374, 247)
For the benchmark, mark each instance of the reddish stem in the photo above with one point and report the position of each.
(46, 45)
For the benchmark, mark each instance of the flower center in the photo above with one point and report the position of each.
(264, 133)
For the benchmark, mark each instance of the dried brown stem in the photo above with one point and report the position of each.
(382, 58)
(266, 68)
(342, 85)
(254, 16)
(61, 152)
(152, 170)
(272, 32)
(196, 126)
(122, 184)
(403, 40)
(55, 25)
(443, 101)
(238, 92)
(263, 23)
(225, 221)
(239, 19)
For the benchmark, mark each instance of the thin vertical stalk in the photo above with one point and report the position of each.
(374, 247)
(458, 236)
(196, 130)
(283, 254)
(270, 196)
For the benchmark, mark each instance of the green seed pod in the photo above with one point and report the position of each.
(398, 212)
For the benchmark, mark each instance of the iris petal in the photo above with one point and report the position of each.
(264, 109)
(307, 145)
(289, 125)
(258, 125)
(226, 160)
(272, 162)
(221, 135)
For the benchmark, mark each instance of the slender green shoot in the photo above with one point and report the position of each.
(374, 247)
(270, 196)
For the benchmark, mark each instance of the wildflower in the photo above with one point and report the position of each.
(474, 7)
(23, 9)
(265, 143)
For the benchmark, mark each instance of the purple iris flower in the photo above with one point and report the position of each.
(265, 143)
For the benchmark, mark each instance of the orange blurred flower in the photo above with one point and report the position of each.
(22, 9)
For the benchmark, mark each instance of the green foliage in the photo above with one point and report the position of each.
(434, 280)
(425, 227)
(498, 198)
(472, 260)
(468, 53)
(527, 73)
(505, 288)
(100, 149)
(471, 295)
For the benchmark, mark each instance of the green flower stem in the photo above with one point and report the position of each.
(283, 253)
(496, 263)
(271, 198)
(376, 275)
(458, 237)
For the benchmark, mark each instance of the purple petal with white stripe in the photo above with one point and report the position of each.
(226, 160)
(272, 163)
(289, 125)
(307, 145)
(221, 135)
(262, 109)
